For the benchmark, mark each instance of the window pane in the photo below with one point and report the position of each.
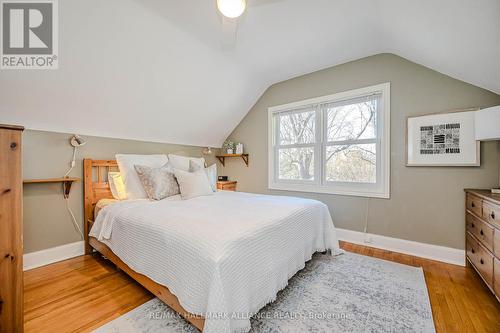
(351, 163)
(351, 121)
(296, 163)
(297, 127)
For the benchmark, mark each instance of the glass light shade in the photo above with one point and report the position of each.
(231, 8)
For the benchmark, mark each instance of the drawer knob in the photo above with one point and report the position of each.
(493, 215)
(472, 225)
(482, 233)
(472, 204)
(481, 261)
(472, 250)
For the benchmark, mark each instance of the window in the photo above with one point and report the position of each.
(336, 144)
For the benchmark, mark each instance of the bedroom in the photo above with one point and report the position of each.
(360, 123)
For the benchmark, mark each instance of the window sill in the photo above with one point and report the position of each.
(376, 193)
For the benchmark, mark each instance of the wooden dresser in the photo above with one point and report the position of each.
(11, 230)
(482, 216)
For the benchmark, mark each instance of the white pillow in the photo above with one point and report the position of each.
(116, 185)
(133, 185)
(193, 184)
(211, 173)
(182, 162)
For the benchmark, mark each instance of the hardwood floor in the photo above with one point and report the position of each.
(81, 294)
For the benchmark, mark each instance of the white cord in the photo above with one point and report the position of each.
(365, 229)
(73, 218)
(72, 164)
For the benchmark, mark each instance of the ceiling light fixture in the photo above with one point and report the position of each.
(231, 8)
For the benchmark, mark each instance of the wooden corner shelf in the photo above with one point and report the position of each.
(222, 158)
(66, 181)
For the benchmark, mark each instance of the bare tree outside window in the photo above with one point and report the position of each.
(297, 132)
(351, 147)
(350, 152)
(337, 144)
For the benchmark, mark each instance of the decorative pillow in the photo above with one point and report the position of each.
(133, 185)
(182, 162)
(159, 183)
(211, 173)
(193, 184)
(116, 185)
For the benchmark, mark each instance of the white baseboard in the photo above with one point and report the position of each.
(423, 250)
(54, 254)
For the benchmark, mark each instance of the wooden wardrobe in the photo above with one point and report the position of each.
(11, 230)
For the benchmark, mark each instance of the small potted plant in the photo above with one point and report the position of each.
(229, 146)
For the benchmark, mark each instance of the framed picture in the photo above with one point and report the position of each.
(444, 139)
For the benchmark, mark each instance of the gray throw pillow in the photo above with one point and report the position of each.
(159, 183)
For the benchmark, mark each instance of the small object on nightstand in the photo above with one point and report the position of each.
(495, 190)
(223, 178)
(227, 185)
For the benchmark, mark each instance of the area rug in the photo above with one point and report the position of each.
(346, 293)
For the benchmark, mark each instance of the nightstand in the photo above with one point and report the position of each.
(227, 185)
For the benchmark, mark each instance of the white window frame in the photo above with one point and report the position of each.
(380, 189)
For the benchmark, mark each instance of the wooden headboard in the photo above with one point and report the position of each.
(95, 177)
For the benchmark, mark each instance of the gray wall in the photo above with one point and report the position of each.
(427, 204)
(47, 155)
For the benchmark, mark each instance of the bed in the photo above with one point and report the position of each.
(216, 259)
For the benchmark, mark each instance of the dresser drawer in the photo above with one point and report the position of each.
(496, 279)
(491, 213)
(481, 258)
(496, 243)
(226, 185)
(482, 230)
(474, 204)
(230, 187)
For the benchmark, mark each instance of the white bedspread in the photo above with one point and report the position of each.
(224, 256)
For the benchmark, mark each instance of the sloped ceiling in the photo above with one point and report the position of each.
(157, 70)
